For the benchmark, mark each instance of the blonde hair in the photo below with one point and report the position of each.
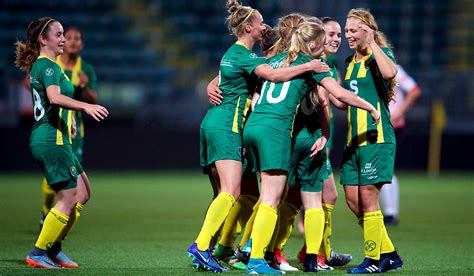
(238, 15)
(27, 52)
(368, 19)
(305, 33)
(287, 25)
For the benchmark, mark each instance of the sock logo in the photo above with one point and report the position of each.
(370, 245)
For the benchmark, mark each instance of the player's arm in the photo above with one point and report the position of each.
(345, 96)
(324, 116)
(287, 73)
(338, 104)
(411, 97)
(55, 97)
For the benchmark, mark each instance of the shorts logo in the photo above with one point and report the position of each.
(370, 245)
(49, 72)
(73, 171)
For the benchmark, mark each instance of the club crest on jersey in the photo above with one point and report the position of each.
(73, 171)
(367, 64)
(49, 72)
(253, 55)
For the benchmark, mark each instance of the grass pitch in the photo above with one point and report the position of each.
(142, 223)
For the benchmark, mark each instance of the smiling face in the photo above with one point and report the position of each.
(73, 41)
(53, 39)
(333, 37)
(354, 35)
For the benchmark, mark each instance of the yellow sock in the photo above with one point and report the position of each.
(263, 230)
(373, 228)
(229, 230)
(313, 229)
(53, 226)
(215, 216)
(325, 249)
(288, 213)
(249, 225)
(247, 209)
(73, 218)
(276, 231)
(387, 245)
(48, 196)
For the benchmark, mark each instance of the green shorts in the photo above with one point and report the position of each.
(78, 146)
(219, 144)
(308, 172)
(60, 166)
(368, 165)
(328, 165)
(267, 148)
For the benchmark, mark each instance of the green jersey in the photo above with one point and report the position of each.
(307, 117)
(73, 75)
(279, 102)
(237, 82)
(332, 61)
(52, 124)
(365, 80)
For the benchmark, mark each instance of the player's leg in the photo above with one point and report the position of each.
(273, 185)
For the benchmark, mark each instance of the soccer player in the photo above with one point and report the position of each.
(221, 128)
(50, 141)
(406, 94)
(83, 78)
(267, 135)
(327, 257)
(370, 150)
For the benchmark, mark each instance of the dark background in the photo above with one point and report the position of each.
(154, 58)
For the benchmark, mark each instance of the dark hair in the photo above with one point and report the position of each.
(26, 53)
(327, 19)
(270, 37)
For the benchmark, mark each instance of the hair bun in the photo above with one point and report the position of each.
(233, 6)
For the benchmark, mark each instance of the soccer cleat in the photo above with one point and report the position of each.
(197, 266)
(42, 261)
(283, 263)
(302, 254)
(271, 260)
(390, 261)
(339, 259)
(63, 261)
(243, 257)
(204, 257)
(244, 254)
(260, 266)
(322, 264)
(226, 254)
(367, 266)
(311, 263)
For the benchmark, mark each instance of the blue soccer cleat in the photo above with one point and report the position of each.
(63, 261)
(260, 266)
(390, 261)
(204, 257)
(42, 261)
(367, 266)
(198, 266)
